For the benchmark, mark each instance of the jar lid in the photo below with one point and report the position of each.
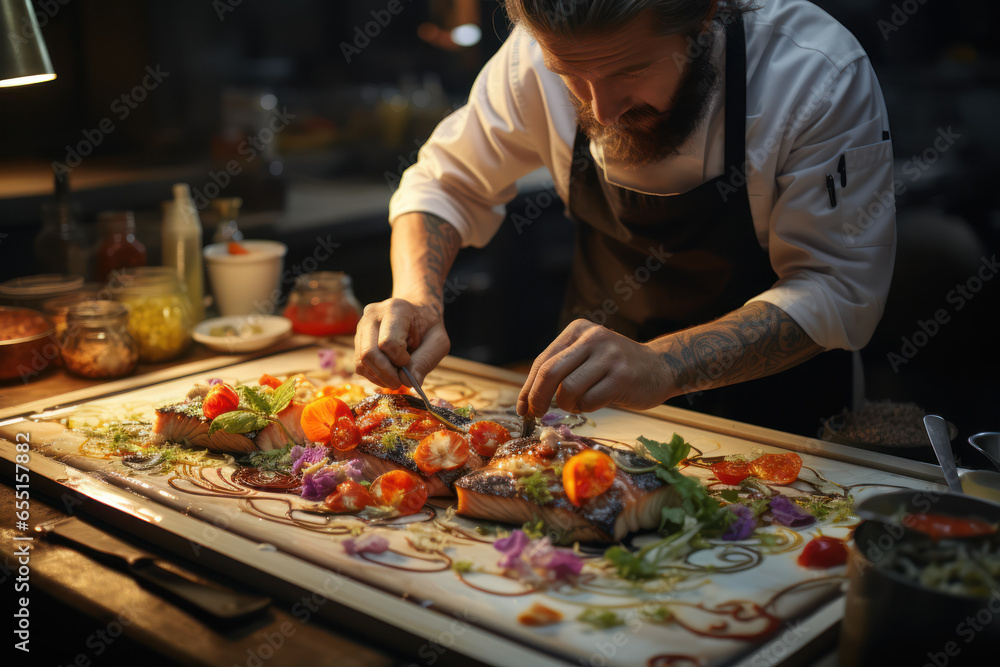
(324, 280)
(59, 305)
(145, 280)
(45, 284)
(96, 311)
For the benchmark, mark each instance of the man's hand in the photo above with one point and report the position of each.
(588, 367)
(408, 329)
(397, 333)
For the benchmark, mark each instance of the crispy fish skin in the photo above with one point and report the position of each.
(496, 492)
(382, 449)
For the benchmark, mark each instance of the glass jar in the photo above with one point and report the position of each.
(96, 342)
(158, 314)
(323, 304)
(119, 247)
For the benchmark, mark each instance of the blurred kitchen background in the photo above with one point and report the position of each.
(321, 105)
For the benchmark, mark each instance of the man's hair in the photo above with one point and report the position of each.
(575, 18)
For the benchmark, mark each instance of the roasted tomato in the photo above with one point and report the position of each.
(442, 450)
(220, 399)
(731, 472)
(422, 427)
(823, 552)
(400, 489)
(371, 420)
(587, 475)
(329, 421)
(777, 468)
(269, 381)
(348, 393)
(349, 497)
(485, 437)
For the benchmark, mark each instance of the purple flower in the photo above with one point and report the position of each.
(305, 457)
(742, 526)
(214, 381)
(369, 543)
(441, 403)
(550, 418)
(321, 483)
(328, 359)
(787, 513)
(511, 547)
(353, 470)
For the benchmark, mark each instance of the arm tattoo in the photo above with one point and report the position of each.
(442, 244)
(754, 341)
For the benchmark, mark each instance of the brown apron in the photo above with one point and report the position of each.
(646, 265)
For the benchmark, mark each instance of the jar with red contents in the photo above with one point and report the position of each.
(119, 247)
(323, 304)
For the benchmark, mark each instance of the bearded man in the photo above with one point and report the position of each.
(729, 171)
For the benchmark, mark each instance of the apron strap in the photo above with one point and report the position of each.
(736, 94)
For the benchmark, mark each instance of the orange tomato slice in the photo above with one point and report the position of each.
(731, 472)
(220, 399)
(349, 393)
(777, 468)
(421, 428)
(486, 436)
(587, 475)
(400, 489)
(442, 450)
(349, 497)
(330, 421)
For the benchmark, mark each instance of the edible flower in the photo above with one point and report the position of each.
(214, 381)
(321, 478)
(305, 457)
(537, 561)
(369, 543)
(742, 525)
(788, 513)
(328, 359)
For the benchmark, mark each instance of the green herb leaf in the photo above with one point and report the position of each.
(630, 565)
(536, 487)
(254, 399)
(282, 396)
(602, 619)
(657, 614)
(275, 459)
(668, 454)
(462, 566)
(730, 495)
(238, 422)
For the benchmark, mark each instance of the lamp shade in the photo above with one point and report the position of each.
(23, 56)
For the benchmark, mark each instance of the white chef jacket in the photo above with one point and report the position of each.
(812, 100)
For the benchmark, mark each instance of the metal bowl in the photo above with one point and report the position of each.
(987, 444)
(27, 343)
(891, 619)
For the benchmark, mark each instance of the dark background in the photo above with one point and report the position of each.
(357, 125)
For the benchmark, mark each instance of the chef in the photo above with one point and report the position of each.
(729, 170)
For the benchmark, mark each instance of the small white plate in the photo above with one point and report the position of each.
(243, 333)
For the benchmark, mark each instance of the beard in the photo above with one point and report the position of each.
(643, 135)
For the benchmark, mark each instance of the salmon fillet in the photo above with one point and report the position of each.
(384, 446)
(184, 423)
(498, 492)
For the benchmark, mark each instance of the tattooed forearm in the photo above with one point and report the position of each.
(757, 340)
(423, 249)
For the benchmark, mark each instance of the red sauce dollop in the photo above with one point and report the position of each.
(940, 526)
(823, 552)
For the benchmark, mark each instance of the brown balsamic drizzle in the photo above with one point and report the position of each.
(445, 560)
(738, 610)
(506, 594)
(834, 580)
(208, 487)
(266, 480)
(671, 659)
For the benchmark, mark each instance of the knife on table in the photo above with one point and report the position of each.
(207, 596)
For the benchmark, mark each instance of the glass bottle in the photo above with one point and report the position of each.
(119, 248)
(158, 311)
(96, 342)
(228, 210)
(182, 249)
(323, 304)
(61, 245)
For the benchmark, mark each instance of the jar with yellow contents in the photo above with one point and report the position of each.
(159, 317)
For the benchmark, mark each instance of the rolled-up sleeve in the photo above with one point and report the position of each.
(467, 171)
(834, 260)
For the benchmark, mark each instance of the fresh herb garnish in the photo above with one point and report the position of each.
(833, 509)
(657, 614)
(462, 566)
(536, 487)
(466, 411)
(695, 499)
(257, 410)
(275, 459)
(601, 619)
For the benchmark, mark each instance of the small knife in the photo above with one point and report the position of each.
(207, 596)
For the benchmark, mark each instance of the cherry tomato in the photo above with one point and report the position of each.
(777, 468)
(237, 249)
(939, 526)
(485, 437)
(269, 381)
(442, 450)
(220, 399)
(330, 421)
(421, 428)
(587, 475)
(401, 489)
(823, 552)
(369, 421)
(349, 497)
(348, 393)
(731, 472)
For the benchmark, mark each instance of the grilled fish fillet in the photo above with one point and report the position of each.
(184, 423)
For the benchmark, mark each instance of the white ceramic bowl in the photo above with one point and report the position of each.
(245, 284)
(234, 335)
